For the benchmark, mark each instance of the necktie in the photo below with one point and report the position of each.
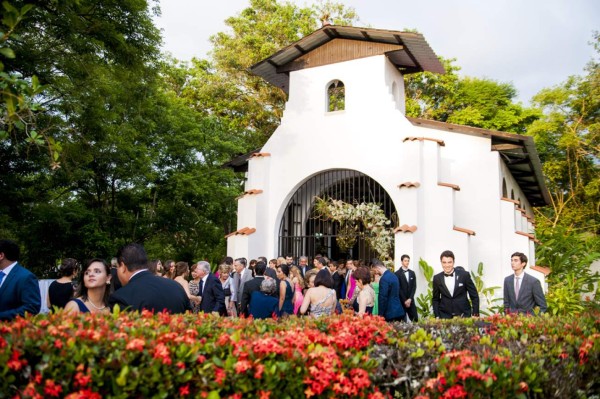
(517, 286)
(201, 287)
(2, 276)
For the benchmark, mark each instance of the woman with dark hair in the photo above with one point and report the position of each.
(286, 292)
(321, 298)
(61, 291)
(94, 289)
(155, 267)
(365, 300)
(182, 271)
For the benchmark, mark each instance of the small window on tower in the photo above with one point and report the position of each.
(336, 96)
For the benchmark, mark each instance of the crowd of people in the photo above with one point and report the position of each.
(261, 288)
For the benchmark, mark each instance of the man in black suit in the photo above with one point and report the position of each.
(408, 287)
(450, 289)
(19, 288)
(211, 290)
(142, 289)
(251, 286)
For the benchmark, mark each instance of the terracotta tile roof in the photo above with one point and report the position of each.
(542, 269)
(452, 186)
(250, 192)
(405, 229)
(440, 142)
(409, 184)
(260, 154)
(462, 230)
(244, 231)
(530, 236)
(516, 202)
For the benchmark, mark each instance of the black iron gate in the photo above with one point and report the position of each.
(301, 233)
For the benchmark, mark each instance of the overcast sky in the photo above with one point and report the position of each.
(532, 43)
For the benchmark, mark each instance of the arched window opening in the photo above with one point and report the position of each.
(302, 232)
(504, 189)
(336, 96)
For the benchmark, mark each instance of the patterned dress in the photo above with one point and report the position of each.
(195, 290)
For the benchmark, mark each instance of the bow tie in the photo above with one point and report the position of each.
(449, 275)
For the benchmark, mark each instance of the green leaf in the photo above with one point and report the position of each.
(7, 52)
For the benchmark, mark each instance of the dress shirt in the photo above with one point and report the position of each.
(7, 271)
(449, 281)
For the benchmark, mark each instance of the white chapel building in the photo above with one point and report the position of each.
(344, 135)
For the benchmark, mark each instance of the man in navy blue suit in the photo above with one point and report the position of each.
(211, 291)
(389, 293)
(408, 287)
(19, 288)
(142, 289)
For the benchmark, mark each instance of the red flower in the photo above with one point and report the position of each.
(162, 352)
(82, 379)
(523, 387)
(457, 391)
(264, 394)
(180, 365)
(14, 363)
(242, 366)
(220, 375)
(52, 389)
(184, 390)
(201, 359)
(259, 371)
(136, 344)
(58, 344)
(84, 394)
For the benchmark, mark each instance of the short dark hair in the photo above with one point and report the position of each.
(271, 273)
(447, 254)
(363, 274)
(263, 258)
(324, 278)
(260, 268)
(133, 256)
(376, 263)
(181, 268)
(322, 260)
(521, 256)
(67, 267)
(228, 260)
(10, 249)
(404, 257)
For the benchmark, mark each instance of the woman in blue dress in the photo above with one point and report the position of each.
(286, 292)
(94, 289)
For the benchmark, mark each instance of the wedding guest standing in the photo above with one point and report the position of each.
(522, 292)
(365, 301)
(194, 288)
(389, 298)
(93, 290)
(19, 288)
(321, 298)
(212, 299)
(143, 290)
(62, 290)
(408, 287)
(450, 289)
(286, 292)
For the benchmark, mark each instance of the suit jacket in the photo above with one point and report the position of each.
(389, 297)
(147, 291)
(530, 295)
(407, 288)
(19, 293)
(263, 306)
(447, 306)
(250, 287)
(238, 284)
(213, 298)
(303, 272)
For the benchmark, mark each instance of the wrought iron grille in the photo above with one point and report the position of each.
(301, 233)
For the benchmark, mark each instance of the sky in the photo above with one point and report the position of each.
(533, 44)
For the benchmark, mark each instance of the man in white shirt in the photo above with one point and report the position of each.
(522, 292)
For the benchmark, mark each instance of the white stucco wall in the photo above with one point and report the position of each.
(369, 137)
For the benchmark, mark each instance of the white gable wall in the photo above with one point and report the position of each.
(372, 136)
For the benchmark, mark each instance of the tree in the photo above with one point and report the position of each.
(568, 139)
(468, 101)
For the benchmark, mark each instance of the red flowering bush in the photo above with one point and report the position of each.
(129, 354)
(145, 355)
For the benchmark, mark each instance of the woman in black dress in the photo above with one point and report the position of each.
(61, 291)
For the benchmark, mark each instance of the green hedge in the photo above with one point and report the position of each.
(142, 355)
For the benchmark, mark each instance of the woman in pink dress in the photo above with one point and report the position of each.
(298, 287)
(350, 280)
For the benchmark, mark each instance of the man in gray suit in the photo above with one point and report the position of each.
(241, 276)
(522, 292)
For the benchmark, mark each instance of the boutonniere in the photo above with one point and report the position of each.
(460, 285)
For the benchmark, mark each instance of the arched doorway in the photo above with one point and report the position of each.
(300, 233)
